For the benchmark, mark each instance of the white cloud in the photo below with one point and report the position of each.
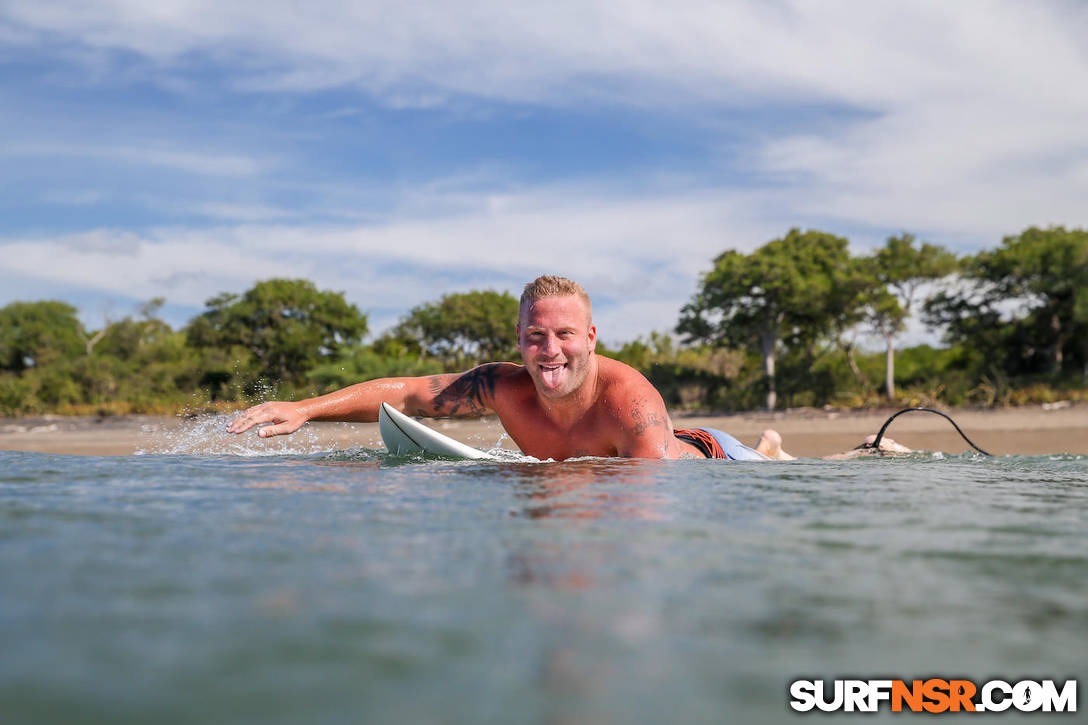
(184, 160)
(640, 258)
(649, 249)
(958, 121)
(221, 211)
(867, 54)
(970, 113)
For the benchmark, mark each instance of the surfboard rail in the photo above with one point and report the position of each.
(403, 435)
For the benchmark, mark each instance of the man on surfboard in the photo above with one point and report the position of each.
(565, 401)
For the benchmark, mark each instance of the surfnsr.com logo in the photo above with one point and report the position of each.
(933, 696)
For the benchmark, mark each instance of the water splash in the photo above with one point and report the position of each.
(207, 435)
(507, 455)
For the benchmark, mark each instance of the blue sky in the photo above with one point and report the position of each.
(397, 152)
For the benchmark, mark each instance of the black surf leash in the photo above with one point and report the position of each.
(876, 442)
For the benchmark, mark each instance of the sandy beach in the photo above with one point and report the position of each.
(1032, 430)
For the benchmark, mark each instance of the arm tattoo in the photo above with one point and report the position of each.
(465, 395)
(643, 421)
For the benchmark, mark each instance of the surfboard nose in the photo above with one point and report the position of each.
(404, 436)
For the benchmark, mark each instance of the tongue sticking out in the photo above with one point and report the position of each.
(553, 375)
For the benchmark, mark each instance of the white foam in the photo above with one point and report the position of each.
(207, 435)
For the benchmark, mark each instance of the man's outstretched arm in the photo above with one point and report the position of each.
(458, 395)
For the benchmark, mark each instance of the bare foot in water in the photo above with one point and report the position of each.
(770, 445)
(887, 445)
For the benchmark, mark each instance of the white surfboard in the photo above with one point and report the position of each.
(402, 435)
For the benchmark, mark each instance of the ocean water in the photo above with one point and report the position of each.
(359, 587)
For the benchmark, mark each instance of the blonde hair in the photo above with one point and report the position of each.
(550, 285)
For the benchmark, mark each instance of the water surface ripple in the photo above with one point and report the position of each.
(357, 586)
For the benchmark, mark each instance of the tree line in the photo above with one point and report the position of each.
(777, 327)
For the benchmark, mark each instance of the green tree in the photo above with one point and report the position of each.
(685, 376)
(36, 334)
(900, 268)
(128, 338)
(141, 361)
(1045, 273)
(365, 363)
(462, 329)
(288, 326)
(793, 290)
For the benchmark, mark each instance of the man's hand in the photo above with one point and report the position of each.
(286, 417)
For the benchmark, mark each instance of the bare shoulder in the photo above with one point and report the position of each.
(472, 393)
(634, 403)
(620, 381)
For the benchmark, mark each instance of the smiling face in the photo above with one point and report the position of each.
(556, 339)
